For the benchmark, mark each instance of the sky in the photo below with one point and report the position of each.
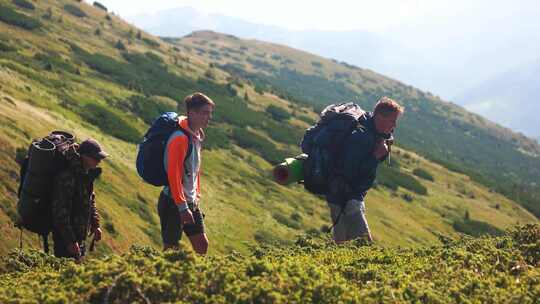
(375, 16)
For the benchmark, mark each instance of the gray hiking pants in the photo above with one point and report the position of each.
(350, 220)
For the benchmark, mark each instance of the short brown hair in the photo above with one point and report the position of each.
(386, 106)
(196, 101)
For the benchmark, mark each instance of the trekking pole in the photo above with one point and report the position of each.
(20, 239)
(92, 244)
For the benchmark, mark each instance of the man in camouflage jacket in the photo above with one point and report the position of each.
(74, 212)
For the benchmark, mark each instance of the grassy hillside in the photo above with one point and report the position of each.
(498, 158)
(486, 270)
(67, 65)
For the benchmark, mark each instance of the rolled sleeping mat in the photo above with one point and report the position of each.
(38, 177)
(33, 206)
(290, 171)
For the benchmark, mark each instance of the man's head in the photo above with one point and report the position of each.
(386, 114)
(199, 108)
(91, 153)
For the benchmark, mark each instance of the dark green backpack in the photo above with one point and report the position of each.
(46, 158)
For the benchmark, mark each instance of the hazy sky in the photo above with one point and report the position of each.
(376, 16)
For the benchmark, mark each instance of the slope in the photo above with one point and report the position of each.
(441, 131)
(70, 66)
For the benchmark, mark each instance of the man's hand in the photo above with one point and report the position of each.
(381, 149)
(97, 234)
(186, 217)
(74, 249)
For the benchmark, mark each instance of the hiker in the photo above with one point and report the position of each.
(178, 204)
(365, 148)
(74, 213)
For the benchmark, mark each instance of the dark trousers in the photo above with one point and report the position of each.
(171, 226)
(60, 246)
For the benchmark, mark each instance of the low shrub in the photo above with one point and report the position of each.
(422, 173)
(75, 10)
(10, 16)
(4, 47)
(310, 270)
(216, 138)
(475, 228)
(278, 113)
(150, 42)
(110, 122)
(120, 45)
(100, 6)
(24, 4)
(394, 178)
(263, 147)
(283, 219)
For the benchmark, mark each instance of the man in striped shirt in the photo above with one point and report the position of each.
(178, 205)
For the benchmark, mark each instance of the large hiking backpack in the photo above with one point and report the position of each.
(324, 143)
(151, 152)
(46, 158)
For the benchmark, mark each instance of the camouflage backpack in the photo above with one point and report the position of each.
(46, 158)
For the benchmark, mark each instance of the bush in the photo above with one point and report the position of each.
(110, 122)
(151, 42)
(10, 16)
(24, 4)
(4, 47)
(278, 113)
(266, 149)
(146, 108)
(422, 173)
(476, 228)
(311, 270)
(74, 10)
(120, 45)
(53, 62)
(316, 64)
(100, 6)
(289, 222)
(393, 178)
(48, 14)
(307, 119)
(216, 138)
(109, 227)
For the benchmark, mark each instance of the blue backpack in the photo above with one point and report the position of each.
(324, 143)
(150, 164)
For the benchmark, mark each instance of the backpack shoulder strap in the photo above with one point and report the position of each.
(190, 141)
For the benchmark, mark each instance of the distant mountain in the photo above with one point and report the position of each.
(441, 59)
(512, 99)
(369, 50)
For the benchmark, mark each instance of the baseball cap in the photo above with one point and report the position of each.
(92, 148)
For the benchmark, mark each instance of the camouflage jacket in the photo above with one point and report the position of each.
(74, 212)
